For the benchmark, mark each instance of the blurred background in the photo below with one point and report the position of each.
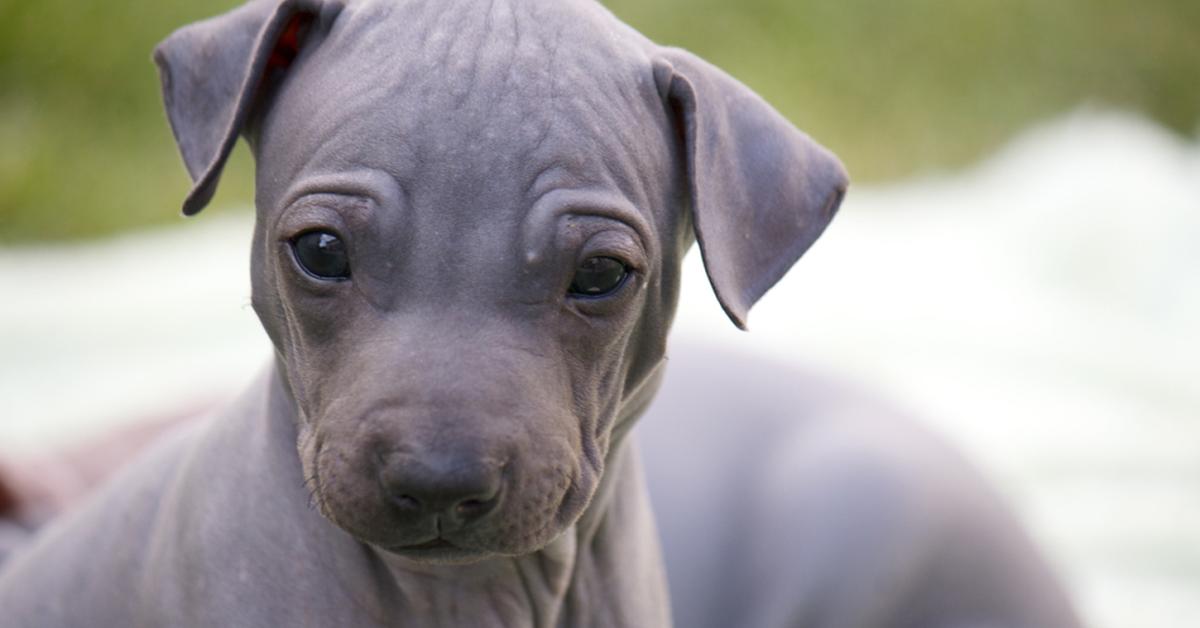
(1017, 261)
(897, 88)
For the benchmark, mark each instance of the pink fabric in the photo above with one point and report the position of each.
(35, 489)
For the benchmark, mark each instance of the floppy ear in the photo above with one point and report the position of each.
(212, 74)
(761, 191)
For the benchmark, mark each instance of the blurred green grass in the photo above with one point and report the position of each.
(896, 88)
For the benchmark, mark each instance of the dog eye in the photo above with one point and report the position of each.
(322, 254)
(597, 277)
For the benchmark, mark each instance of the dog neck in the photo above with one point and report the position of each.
(605, 570)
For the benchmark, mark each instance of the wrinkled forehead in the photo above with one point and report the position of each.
(502, 95)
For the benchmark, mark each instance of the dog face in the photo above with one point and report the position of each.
(470, 224)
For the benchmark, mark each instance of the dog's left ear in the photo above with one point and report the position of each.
(761, 191)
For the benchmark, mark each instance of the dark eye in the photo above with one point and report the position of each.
(597, 277)
(322, 254)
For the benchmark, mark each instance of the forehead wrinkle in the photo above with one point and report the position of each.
(402, 78)
(458, 55)
(328, 151)
(541, 223)
(322, 121)
(377, 185)
(602, 94)
(569, 93)
(430, 57)
(602, 141)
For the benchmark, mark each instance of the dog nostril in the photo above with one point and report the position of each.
(469, 507)
(473, 508)
(407, 502)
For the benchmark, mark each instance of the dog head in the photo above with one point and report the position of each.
(470, 224)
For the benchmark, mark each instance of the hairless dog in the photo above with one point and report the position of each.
(470, 221)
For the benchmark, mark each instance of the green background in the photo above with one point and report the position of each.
(895, 88)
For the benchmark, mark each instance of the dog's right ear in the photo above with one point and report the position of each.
(213, 73)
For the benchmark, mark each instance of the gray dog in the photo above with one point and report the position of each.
(470, 223)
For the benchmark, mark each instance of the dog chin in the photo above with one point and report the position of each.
(443, 553)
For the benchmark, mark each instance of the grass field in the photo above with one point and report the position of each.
(896, 88)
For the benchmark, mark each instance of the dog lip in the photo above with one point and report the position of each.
(436, 543)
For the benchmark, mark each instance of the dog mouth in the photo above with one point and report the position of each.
(437, 551)
(436, 543)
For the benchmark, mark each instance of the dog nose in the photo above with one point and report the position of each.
(459, 491)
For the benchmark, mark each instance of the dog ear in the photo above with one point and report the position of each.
(214, 73)
(761, 191)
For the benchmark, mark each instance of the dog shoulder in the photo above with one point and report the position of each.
(84, 567)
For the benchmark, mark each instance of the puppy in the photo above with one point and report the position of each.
(469, 229)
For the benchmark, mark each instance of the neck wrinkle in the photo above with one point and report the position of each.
(635, 405)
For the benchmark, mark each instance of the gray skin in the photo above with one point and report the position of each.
(785, 499)
(443, 436)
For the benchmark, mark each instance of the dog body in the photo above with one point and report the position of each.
(470, 225)
(214, 527)
(798, 501)
(792, 501)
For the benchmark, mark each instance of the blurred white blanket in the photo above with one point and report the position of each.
(1041, 309)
